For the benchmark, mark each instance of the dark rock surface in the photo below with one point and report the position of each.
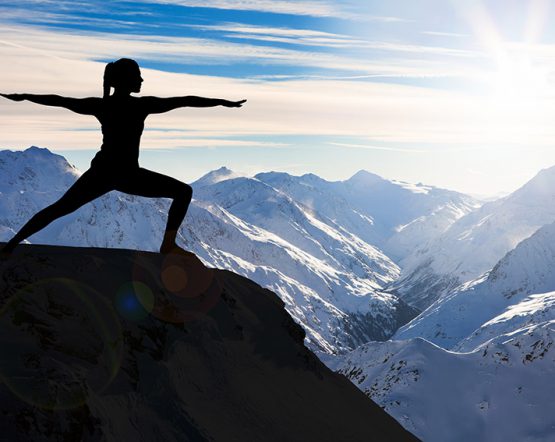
(120, 345)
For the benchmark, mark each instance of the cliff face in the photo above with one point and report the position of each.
(104, 344)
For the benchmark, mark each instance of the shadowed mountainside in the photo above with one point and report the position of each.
(105, 344)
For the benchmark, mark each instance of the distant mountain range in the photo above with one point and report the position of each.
(526, 270)
(320, 245)
(478, 363)
(474, 243)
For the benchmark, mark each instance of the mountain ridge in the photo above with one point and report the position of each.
(331, 279)
(482, 354)
(526, 270)
(475, 242)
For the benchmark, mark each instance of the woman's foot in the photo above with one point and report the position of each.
(7, 250)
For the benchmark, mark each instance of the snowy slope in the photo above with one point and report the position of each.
(473, 244)
(502, 391)
(330, 279)
(528, 269)
(338, 309)
(392, 215)
(490, 377)
(533, 310)
(259, 204)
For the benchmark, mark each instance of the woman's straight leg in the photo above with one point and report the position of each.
(88, 187)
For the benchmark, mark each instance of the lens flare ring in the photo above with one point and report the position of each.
(188, 288)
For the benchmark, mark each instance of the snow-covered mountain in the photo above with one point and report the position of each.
(473, 244)
(392, 215)
(478, 363)
(501, 391)
(533, 310)
(215, 176)
(330, 278)
(528, 269)
(262, 205)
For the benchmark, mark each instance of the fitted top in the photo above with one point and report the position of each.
(122, 121)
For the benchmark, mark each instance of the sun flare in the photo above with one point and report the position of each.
(517, 80)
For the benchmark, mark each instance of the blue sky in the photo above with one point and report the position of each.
(449, 93)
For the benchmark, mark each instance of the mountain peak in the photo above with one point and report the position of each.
(543, 184)
(38, 150)
(36, 169)
(363, 176)
(272, 176)
(162, 347)
(215, 176)
(311, 176)
(35, 154)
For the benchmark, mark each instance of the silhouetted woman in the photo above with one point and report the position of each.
(116, 165)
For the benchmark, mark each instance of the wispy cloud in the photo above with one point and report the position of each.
(342, 9)
(445, 34)
(384, 148)
(154, 139)
(72, 6)
(438, 148)
(54, 61)
(183, 50)
(290, 35)
(308, 37)
(316, 8)
(381, 112)
(24, 15)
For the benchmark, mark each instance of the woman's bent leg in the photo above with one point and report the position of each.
(88, 187)
(144, 182)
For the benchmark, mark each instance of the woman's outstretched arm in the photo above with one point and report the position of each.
(86, 106)
(156, 105)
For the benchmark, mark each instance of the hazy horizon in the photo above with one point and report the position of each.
(81, 160)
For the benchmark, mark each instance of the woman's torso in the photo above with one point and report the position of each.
(122, 121)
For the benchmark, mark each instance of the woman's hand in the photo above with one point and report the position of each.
(15, 97)
(234, 103)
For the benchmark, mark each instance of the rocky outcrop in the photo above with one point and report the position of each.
(120, 345)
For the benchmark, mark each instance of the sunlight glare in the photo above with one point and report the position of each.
(516, 80)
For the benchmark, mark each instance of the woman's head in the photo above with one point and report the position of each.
(123, 74)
